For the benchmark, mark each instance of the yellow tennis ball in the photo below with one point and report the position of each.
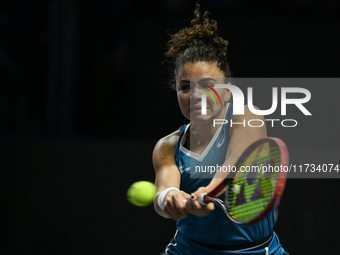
(141, 193)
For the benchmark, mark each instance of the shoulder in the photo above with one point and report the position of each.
(167, 143)
(248, 124)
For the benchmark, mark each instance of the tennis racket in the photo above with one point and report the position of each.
(255, 184)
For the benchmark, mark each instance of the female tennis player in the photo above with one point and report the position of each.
(199, 54)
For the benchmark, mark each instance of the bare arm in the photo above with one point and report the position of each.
(240, 138)
(168, 175)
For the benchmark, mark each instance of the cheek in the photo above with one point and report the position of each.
(223, 94)
(183, 100)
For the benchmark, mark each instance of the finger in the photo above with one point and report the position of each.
(175, 209)
(180, 205)
(171, 211)
(170, 208)
(171, 214)
(210, 206)
(194, 207)
(199, 192)
(185, 203)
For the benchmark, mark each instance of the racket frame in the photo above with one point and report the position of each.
(206, 198)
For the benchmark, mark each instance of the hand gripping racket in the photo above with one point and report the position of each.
(255, 184)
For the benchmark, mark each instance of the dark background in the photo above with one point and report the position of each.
(84, 97)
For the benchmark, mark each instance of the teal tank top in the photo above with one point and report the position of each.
(215, 228)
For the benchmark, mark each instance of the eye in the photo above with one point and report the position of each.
(185, 87)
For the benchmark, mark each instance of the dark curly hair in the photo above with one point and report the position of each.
(199, 42)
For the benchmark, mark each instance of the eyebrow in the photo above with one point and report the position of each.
(184, 81)
(201, 80)
(207, 79)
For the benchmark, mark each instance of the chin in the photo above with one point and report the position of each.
(201, 119)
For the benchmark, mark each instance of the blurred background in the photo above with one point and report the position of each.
(84, 96)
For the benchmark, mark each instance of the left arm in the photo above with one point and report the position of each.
(240, 138)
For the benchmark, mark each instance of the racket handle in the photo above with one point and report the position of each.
(201, 199)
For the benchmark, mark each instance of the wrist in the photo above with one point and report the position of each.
(162, 195)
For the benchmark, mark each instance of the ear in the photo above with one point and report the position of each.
(227, 94)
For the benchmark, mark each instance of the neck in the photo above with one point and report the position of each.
(202, 133)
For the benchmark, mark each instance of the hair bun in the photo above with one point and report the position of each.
(202, 29)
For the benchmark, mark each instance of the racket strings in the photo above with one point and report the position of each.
(250, 193)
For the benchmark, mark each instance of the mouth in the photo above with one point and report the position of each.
(197, 109)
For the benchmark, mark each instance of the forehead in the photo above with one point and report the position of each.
(199, 70)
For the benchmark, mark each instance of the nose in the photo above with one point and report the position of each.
(196, 93)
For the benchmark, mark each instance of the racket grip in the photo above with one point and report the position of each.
(201, 199)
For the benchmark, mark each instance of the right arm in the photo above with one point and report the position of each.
(168, 175)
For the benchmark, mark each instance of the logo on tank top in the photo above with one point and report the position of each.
(221, 142)
(182, 168)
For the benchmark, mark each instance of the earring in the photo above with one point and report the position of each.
(227, 98)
